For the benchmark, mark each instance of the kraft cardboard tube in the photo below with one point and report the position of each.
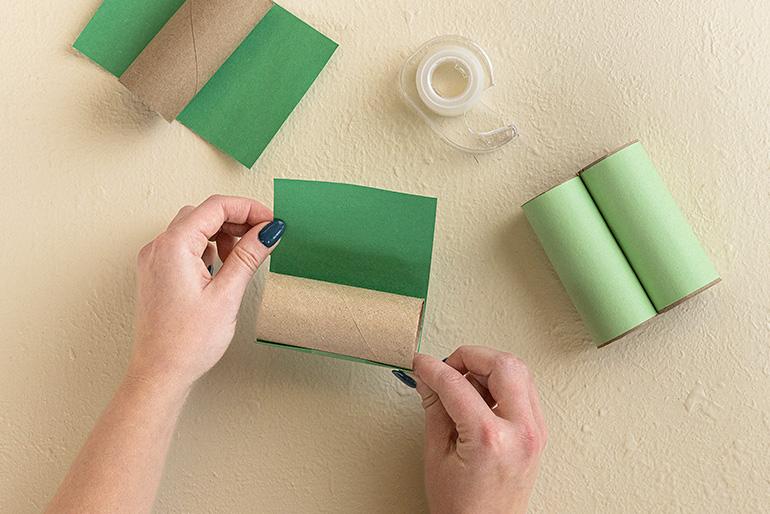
(649, 226)
(588, 260)
(362, 323)
(189, 49)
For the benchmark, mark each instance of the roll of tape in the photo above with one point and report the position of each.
(467, 64)
(445, 82)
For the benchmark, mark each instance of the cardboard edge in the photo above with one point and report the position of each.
(629, 331)
(690, 295)
(608, 154)
(546, 191)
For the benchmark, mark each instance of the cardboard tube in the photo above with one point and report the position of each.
(649, 226)
(189, 49)
(361, 323)
(588, 260)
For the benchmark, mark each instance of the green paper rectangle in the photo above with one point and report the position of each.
(588, 260)
(243, 105)
(120, 30)
(649, 226)
(355, 235)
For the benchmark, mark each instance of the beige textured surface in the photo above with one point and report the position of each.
(188, 50)
(363, 323)
(673, 418)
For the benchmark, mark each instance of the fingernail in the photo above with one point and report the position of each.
(210, 267)
(272, 232)
(403, 377)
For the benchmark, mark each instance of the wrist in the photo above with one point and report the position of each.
(156, 383)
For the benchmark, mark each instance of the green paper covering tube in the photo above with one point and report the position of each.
(588, 260)
(349, 235)
(243, 105)
(649, 226)
(120, 30)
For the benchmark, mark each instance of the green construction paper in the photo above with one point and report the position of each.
(588, 260)
(354, 235)
(649, 226)
(243, 105)
(120, 30)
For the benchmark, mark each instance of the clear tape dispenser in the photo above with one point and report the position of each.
(444, 82)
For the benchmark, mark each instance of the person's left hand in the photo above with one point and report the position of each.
(185, 317)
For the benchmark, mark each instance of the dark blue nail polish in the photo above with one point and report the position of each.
(211, 269)
(272, 232)
(403, 377)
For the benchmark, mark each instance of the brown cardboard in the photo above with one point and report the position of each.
(363, 323)
(189, 49)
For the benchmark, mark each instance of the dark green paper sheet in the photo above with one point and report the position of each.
(356, 236)
(120, 30)
(244, 104)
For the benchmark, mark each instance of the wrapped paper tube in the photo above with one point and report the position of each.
(189, 49)
(588, 260)
(350, 321)
(649, 226)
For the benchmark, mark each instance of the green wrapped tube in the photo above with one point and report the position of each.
(619, 243)
(588, 260)
(649, 226)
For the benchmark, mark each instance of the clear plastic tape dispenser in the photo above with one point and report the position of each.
(444, 82)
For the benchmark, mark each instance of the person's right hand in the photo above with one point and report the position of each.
(484, 431)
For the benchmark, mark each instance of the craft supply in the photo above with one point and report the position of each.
(346, 235)
(619, 243)
(230, 70)
(588, 260)
(655, 237)
(189, 50)
(361, 323)
(444, 82)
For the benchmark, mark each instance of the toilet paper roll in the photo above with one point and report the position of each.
(189, 49)
(588, 260)
(649, 226)
(350, 321)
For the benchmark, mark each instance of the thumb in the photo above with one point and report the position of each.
(439, 427)
(247, 256)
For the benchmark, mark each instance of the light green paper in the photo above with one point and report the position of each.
(588, 260)
(243, 105)
(356, 236)
(649, 226)
(120, 30)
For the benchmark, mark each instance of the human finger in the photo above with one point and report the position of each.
(458, 396)
(505, 376)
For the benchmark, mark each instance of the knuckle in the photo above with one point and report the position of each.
(450, 378)
(429, 400)
(491, 436)
(512, 364)
(248, 259)
(531, 441)
(215, 198)
(144, 252)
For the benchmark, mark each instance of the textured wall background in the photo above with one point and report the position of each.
(675, 417)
